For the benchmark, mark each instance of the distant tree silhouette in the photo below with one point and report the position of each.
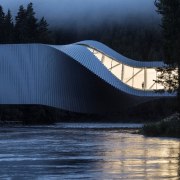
(141, 43)
(170, 11)
(28, 29)
(26, 25)
(21, 31)
(8, 28)
(32, 25)
(43, 32)
(2, 16)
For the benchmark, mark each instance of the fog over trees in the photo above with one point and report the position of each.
(26, 29)
(89, 13)
(141, 41)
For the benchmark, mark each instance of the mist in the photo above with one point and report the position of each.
(86, 13)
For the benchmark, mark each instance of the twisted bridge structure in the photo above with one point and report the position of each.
(85, 77)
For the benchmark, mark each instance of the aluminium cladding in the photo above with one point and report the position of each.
(68, 77)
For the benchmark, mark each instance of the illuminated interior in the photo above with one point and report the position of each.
(138, 78)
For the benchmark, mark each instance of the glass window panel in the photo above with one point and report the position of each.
(136, 70)
(128, 71)
(139, 78)
(99, 56)
(158, 86)
(117, 71)
(114, 63)
(137, 81)
(90, 49)
(95, 51)
(151, 76)
(107, 62)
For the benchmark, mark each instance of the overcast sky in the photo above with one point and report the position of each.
(59, 12)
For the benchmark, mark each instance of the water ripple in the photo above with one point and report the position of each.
(86, 151)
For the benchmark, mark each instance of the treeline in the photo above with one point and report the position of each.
(136, 41)
(25, 29)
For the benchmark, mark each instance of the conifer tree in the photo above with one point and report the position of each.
(170, 12)
(32, 25)
(2, 16)
(21, 26)
(8, 28)
(26, 25)
(44, 34)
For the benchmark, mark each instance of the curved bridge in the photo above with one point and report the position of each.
(86, 77)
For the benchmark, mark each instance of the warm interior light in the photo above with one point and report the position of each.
(138, 78)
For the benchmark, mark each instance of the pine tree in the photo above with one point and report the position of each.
(26, 25)
(44, 34)
(32, 25)
(2, 16)
(170, 11)
(27, 28)
(8, 28)
(21, 26)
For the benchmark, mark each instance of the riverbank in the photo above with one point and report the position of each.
(168, 127)
(43, 115)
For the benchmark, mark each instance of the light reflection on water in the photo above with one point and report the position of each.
(86, 151)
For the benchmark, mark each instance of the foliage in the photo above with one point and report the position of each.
(170, 11)
(26, 29)
(169, 127)
(8, 27)
(2, 16)
(137, 41)
(43, 31)
(168, 78)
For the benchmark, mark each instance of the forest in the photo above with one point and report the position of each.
(134, 40)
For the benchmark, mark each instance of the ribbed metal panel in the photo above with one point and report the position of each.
(67, 77)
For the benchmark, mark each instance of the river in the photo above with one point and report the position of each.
(86, 151)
